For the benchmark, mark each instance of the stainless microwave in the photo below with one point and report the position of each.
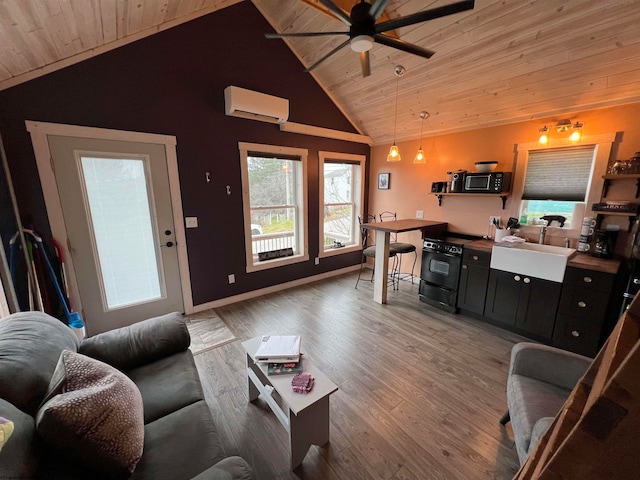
(491, 182)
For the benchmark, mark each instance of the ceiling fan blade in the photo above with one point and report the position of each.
(303, 34)
(377, 8)
(426, 15)
(337, 11)
(402, 45)
(335, 50)
(364, 63)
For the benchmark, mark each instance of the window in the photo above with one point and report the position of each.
(342, 197)
(556, 183)
(274, 187)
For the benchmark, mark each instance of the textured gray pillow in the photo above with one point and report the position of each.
(93, 414)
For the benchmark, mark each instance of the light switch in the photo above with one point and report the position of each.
(191, 222)
(419, 213)
(232, 278)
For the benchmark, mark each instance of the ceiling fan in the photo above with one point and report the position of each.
(364, 31)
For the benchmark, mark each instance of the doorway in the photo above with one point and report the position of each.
(119, 218)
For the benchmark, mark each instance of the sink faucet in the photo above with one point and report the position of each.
(543, 232)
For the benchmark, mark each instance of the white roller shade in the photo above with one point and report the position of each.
(561, 174)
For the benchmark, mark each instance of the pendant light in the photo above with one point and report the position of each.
(394, 153)
(420, 158)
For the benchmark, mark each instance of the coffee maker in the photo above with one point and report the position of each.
(605, 243)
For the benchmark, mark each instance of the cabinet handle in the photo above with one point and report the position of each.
(582, 304)
(475, 257)
(464, 267)
(517, 278)
(527, 280)
(587, 279)
(575, 333)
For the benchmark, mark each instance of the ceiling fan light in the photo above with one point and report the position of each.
(394, 154)
(361, 43)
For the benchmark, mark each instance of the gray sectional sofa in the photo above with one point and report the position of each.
(540, 381)
(180, 439)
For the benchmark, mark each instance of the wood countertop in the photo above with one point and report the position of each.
(579, 260)
(405, 225)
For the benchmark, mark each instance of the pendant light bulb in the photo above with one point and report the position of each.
(420, 158)
(394, 153)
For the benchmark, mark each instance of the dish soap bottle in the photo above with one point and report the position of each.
(524, 217)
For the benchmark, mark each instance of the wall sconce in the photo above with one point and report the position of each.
(576, 135)
(544, 137)
(420, 158)
(394, 153)
(562, 126)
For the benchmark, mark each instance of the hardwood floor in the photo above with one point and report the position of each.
(421, 391)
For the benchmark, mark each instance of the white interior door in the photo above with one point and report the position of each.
(116, 204)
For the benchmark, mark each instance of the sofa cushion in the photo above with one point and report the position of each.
(530, 400)
(167, 385)
(93, 413)
(139, 344)
(30, 345)
(19, 457)
(188, 434)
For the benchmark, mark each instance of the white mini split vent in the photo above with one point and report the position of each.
(240, 102)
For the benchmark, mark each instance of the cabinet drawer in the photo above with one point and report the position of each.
(583, 303)
(476, 257)
(588, 278)
(576, 335)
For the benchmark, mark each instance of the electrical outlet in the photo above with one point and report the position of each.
(232, 278)
(419, 213)
(317, 260)
(191, 222)
(491, 219)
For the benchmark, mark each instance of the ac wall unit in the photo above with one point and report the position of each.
(240, 102)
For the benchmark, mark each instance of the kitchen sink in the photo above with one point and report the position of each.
(541, 261)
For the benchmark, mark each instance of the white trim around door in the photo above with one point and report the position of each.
(39, 132)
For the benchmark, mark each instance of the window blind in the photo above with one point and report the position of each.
(558, 174)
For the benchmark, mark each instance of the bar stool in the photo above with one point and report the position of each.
(399, 248)
(370, 251)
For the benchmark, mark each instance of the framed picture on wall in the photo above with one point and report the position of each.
(383, 181)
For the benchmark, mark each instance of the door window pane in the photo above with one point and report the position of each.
(122, 229)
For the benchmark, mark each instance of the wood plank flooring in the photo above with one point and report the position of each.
(420, 392)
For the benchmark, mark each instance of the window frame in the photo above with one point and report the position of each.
(358, 181)
(603, 145)
(301, 201)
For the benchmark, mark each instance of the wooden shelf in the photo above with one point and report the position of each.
(502, 195)
(623, 176)
(599, 216)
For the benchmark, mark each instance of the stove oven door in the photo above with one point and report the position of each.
(441, 269)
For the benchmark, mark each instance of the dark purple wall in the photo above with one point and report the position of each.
(172, 83)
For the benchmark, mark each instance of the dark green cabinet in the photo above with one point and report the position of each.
(474, 277)
(527, 303)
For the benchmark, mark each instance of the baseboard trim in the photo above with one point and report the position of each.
(275, 288)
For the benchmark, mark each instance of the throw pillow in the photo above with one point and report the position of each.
(6, 429)
(92, 413)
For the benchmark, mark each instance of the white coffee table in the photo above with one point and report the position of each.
(305, 416)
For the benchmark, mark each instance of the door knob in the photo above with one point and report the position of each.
(527, 280)
(582, 304)
(517, 278)
(168, 244)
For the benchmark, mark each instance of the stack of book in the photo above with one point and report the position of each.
(281, 353)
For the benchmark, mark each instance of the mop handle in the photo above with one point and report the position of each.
(38, 240)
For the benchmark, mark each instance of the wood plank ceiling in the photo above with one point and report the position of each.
(503, 62)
